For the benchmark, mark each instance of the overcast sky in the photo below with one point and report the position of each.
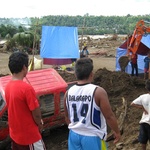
(39, 8)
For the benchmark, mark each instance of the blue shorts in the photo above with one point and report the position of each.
(81, 142)
(144, 135)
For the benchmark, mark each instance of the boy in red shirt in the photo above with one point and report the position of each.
(24, 116)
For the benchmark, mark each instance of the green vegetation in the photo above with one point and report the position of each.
(27, 31)
(93, 25)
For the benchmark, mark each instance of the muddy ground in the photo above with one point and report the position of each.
(118, 85)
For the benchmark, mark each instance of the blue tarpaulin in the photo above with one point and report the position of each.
(142, 51)
(59, 42)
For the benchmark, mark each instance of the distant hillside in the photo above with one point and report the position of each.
(91, 25)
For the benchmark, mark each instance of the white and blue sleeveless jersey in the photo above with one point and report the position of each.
(85, 116)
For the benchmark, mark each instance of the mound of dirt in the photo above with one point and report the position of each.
(120, 85)
(68, 77)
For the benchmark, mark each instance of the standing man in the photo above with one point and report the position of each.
(143, 103)
(87, 110)
(24, 116)
(146, 66)
(84, 52)
(134, 64)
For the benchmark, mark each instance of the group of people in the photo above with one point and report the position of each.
(87, 110)
(134, 64)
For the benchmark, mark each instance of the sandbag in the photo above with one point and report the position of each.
(35, 64)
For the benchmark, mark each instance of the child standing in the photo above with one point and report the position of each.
(84, 52)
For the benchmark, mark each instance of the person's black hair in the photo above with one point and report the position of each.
(17, 60)
(83, 68)
(147, 84)
(85, 48)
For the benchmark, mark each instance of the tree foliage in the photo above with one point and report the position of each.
(95, 25)
(11, 29)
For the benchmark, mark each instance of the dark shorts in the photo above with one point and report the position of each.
(144, 135)
(39, 145)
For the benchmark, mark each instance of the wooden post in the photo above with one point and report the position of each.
(34, 41)
(82, 34)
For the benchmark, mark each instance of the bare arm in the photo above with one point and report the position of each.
(139, 106)
(136, 105)
(66, 111)
(102, 101)
(36, 113)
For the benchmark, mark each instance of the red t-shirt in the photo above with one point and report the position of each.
(134, 59)
(21, 100)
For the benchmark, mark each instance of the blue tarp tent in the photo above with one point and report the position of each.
(144, 47)
(59, 44)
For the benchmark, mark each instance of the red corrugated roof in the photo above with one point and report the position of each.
(43, 81)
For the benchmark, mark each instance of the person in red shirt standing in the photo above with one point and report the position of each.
(24, 116)
(134, 64)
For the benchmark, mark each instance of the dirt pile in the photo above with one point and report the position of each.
(119, 85)
(68, 77)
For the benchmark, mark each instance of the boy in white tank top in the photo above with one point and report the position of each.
(87, 109)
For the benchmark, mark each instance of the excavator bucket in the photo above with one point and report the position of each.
(123, 62)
